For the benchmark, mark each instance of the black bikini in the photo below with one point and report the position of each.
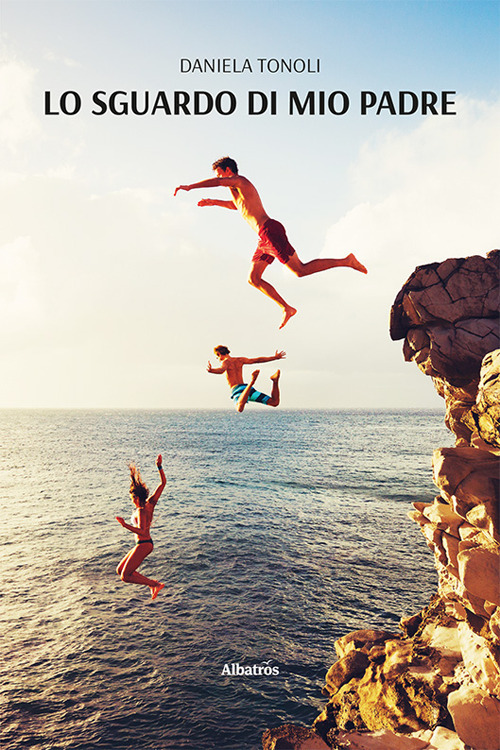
(145, 541)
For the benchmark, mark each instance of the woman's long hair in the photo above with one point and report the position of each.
(138, 488)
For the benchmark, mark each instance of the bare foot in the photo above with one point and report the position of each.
(288, 313)
(353, 262)
(255, 375)
(155, 590)
(276, 375)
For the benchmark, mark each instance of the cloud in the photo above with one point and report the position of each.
(67, 61)
(419, 196)
(17, 121)
(425, 195)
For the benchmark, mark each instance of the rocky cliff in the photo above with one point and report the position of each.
(435, 685)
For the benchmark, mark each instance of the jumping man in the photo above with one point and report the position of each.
(273, 242)
(243, 392)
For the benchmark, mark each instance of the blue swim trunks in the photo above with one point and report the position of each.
(254, 395)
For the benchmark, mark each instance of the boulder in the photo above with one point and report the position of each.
(361, 639)
(479, 571)
(352, 665)
(382, 740)
(480, 660)
(292, 737)
(448, 315)
(469, 479)
(476, 716)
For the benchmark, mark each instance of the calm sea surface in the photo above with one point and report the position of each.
(277, 533)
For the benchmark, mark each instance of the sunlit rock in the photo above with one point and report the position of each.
(360, 639)
(292, 737)
(480, 572)
(480, 660)
(484, 417)
(447, 314)
(476, 716)
(382, 740)
(351, 665)
(436, 685)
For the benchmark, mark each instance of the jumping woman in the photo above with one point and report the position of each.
(140, 525)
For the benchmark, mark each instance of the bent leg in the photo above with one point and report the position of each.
(128, 569)
(246, 393)
(275, 393)
(122, 562)
(256, 280)
(323, 264)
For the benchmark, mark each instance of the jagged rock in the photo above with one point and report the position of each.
(292, 737)
(399, 692)
(476, 716)
(445, 739)
(361, 639)
(480, 660)
(443, 517)
(382, 740)
(458, 402)
(472, 339)
(479, 571)
(483, 419)
(444, 639)
(398, 656)
(439, 739)
(349, 666)
(448, 315)
(469, 479)
(451, 547)
(410, 625)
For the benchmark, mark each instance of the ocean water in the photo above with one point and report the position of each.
(278, 532)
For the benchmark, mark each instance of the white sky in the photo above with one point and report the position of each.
(114, 293)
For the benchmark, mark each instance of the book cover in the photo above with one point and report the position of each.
(367, 127)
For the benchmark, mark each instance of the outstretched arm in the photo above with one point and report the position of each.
(213, 202)
(163, 481)
(215, 370)
(212, 182)
(259, 360)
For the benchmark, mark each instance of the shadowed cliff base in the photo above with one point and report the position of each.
(435, 685)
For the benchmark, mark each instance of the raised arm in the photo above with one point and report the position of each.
(163, 481)
(259, 360)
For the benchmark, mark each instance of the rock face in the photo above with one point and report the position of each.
(447, 314)
(436, 684)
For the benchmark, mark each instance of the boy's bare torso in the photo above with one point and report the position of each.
(233, 367)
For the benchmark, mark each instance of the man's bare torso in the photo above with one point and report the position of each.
(248, 202)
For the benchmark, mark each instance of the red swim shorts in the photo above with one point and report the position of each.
(273, 243)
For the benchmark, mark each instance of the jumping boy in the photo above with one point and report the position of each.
(273, 242)
(243, 392)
